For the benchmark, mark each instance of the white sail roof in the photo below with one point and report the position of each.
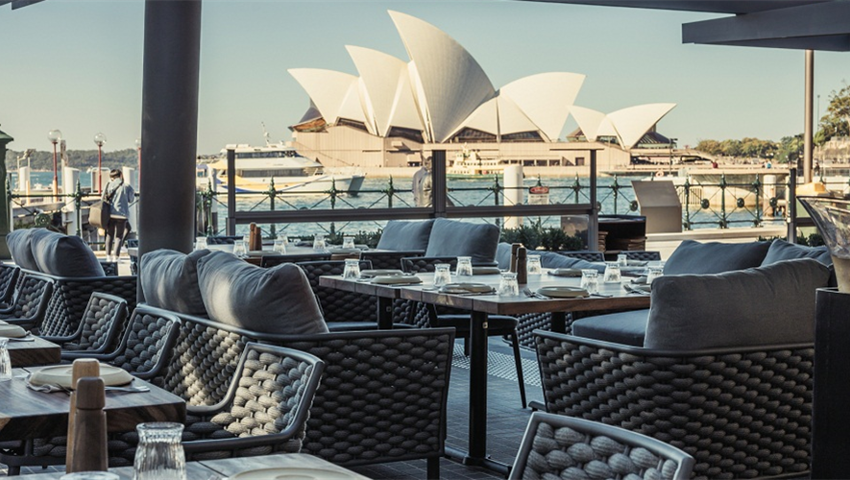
(453, 83)
(545, 98)
(512, 119)
(335, 94)
(632, 123)
(485, 118)
(589, 122)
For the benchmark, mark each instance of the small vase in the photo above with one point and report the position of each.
(159, 455)
(832, 218)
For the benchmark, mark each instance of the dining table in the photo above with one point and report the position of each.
(32, 351)
(26, 414)
(267, 467)
(610, 296)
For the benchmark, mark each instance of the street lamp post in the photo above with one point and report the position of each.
(99, 140)
(55, 136)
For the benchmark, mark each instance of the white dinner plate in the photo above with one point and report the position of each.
(62, 374)
(396, 279)
(460, 288)
(294, 473)
(563, 292)
(12, 331)
(379, 273)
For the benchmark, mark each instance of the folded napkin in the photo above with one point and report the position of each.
(396, 280)
(566, 272)
(485, 270)
(12, 331)
(642, 289)
(379, 273)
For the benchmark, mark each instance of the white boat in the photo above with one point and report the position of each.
(258, 167)
(469, 165)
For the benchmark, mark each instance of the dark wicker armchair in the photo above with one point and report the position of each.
(99, 332)
(29, 304)
(388, 260)
(557, 446)
(269, 261)
(341, 310)
(71, 296)
(586, 255)
(741, 412)
(8, 279)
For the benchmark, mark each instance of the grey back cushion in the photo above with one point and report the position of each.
(399, 235)
(63, 255)
(266, 300)
(547, 259)
(169, 280)
(769, 305)
(693, 257)
(20, 247)
(453, 238)
(781, 250)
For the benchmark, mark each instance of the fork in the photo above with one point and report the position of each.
(528, 293)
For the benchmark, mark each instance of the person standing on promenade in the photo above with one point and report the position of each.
(422, 185)
(118, 195)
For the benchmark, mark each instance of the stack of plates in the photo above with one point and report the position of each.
(12, 331)
(462, 288)
(300, 473)
(379, 273)
(62, 374)
(563, 292)
(396, 279)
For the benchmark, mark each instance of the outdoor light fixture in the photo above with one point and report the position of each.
(55, 136)
(99, 140)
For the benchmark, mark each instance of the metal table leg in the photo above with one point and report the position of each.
(385, 313)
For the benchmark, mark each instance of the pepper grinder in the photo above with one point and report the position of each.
(514, 248)
(89, 452)
(522, 266)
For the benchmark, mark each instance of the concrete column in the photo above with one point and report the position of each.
(809, 127)
(5, 207)
(70, 177)
(513, 192)
(172, 50)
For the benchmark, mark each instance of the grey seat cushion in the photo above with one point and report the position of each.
(453, 238)
(265, 300)
(21, 249)
(625, 328)
(63, 255)
(399, 235)
(692, 257)
(163, 273)
(769, 305)
(547, 259)
(781, 250)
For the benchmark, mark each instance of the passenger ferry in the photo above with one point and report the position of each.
(469, 165)
(257, 167)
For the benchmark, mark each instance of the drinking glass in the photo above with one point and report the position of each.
(348, 242)
(280, 246)
(159, 454)
(612, 273)
(508, 285)
(319, 243)
(442, 275)
(464, 266)
(622, 259)
(590, 280)
(200, 243)
(89, 476)
(240, 249)
(533, 266)
(5, 361)
(654, 272)
(246, 238)
(352, 269)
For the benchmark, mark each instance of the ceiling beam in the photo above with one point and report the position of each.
(712, 6)
(820, 26)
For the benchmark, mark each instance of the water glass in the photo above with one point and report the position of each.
(246, 238)
(590, 280)
(464, 266)
(240, 249)
(159, 454)
(508, 285)
(352, 269)
(200, 243)
(279, 246)
(612, 273)
(5, 361)
(622, 259)
(319, 243)
(90, 476)
(348, 242)
(654, 272)
(533, 266)
(442, 275)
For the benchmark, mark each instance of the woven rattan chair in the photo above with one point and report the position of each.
(71, 296)
(586, 255)
(741, 412)
(265, 410)
(388, 260)
(223, 239)
(557, 446)
(8, 279)
(99, 332)
(29, 304)
(269, 261)
(341, 310)
(642, 255)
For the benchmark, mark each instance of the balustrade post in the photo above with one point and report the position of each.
(272, 194)
(615, 189)
(723, 223)
(333, 193)
(390, 191)
(576, 188)
(687, 187)
(78, 208)
(209, 196)
(757, 186)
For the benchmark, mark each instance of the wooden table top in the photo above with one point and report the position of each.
(34, 353)
(205, 469)
(495, 304)
(25, 413)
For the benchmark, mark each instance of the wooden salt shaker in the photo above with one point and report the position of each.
(89, 451)
(83, 367)
(522, 266)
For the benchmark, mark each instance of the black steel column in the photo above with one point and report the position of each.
(169, 125)
(593, 218)
(830, 415)
(440, 191)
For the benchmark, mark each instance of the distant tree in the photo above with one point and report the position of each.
(756, 148)
(711, 147)
(81, 159)
(790, 149)
(836, 122)
(731, 148)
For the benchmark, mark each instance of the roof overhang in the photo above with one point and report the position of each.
(794, 24)
(16, 4)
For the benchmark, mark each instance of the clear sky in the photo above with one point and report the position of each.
(77, 65)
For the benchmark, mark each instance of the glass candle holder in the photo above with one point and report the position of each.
(279, 246)
(348, 242)
(160, 453)
(533, 265)
(612, 273)
(622, 259)
(352, 269)
(508, 285)
(464, 266)
(5, 361)
(240, 248)
(319, 243)
(653, 273)
(590, 280)
(200, 243)
(442, 274)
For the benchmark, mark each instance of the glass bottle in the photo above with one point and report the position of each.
(160, 453)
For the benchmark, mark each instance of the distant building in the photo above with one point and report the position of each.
(396, 112)
(836, 150)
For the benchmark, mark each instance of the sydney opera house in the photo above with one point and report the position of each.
(395, 112)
